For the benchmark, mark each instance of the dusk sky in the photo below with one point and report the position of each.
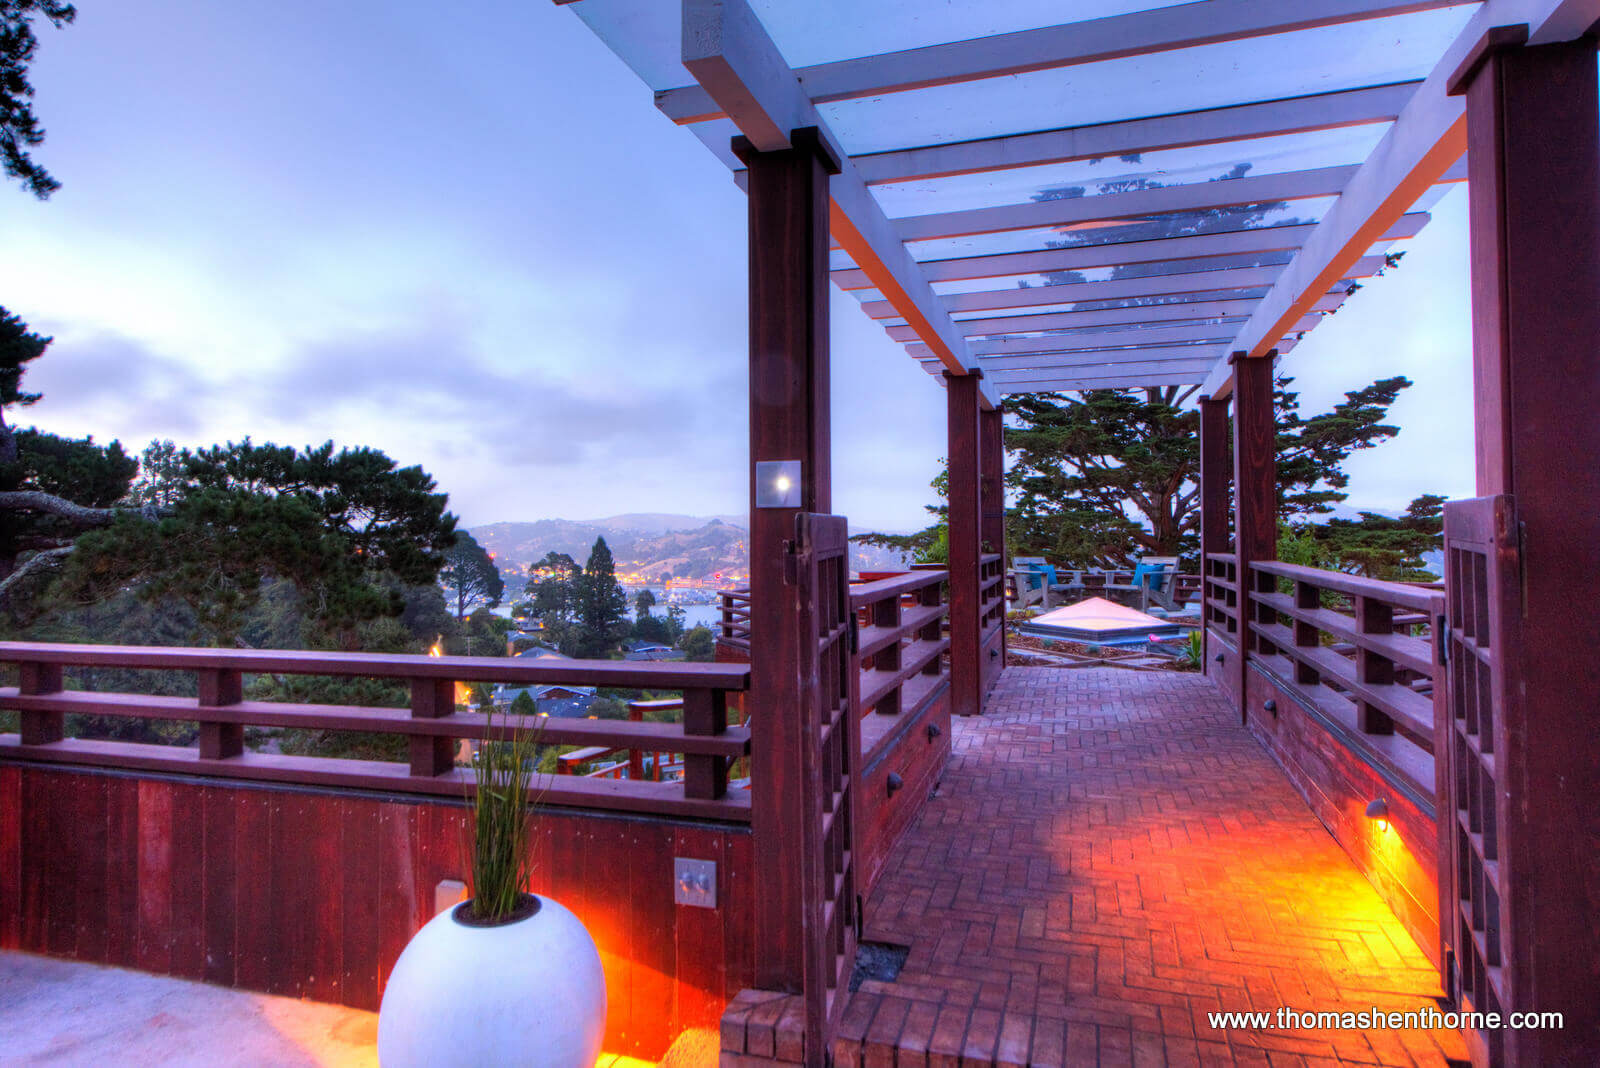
(469, 239)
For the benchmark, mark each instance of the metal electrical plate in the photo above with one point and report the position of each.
(694, 882)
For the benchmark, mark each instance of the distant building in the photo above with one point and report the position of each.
(643, 650)
(556, 700)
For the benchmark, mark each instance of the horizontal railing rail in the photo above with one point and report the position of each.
(433, 726)
(1360, 649)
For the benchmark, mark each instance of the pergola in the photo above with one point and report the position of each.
(1173, 194)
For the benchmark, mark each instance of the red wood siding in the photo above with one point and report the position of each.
(919, 761)
(315, 894)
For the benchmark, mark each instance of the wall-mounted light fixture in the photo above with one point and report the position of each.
(778, 484)
(1378, 812)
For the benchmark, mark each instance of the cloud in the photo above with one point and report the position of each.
(108, 381)
(429, 378)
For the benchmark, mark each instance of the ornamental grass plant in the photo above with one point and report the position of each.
(504, 810)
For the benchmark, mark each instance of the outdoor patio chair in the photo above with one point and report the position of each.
(1154, 582)
(1032, 578)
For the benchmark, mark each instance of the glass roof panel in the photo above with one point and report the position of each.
(823, 31)
(1180, 166)
(1371, 52)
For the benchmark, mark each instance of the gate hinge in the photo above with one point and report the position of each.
(1441, 630)
(791, 563)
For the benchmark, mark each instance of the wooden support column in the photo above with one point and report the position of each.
(1216, 476)
(992, 492)
(966, 508)
(1533, 135)
(788, 237)
(1255, 517)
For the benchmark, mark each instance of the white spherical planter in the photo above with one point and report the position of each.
(529, 992)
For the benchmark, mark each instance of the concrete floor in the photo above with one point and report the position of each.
(62, 1012)
(66, 1012)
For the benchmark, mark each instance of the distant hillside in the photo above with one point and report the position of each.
(660, 522)
(647, 546)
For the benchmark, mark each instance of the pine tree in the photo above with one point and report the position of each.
(602, 606)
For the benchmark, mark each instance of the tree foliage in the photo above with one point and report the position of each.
(470, 576)
(601, 606)
(347, 529)
(1380, 546)
(19, 126)
(1104, 476)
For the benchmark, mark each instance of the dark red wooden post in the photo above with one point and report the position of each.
(705, 712)
(992, 461)
(1533, 135)
(432, 754)
(1216, 476)
(966, 672)
(1255, 527)
(40, 728)
(788, 236)
(219, 688)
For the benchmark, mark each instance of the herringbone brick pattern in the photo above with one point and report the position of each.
(1110, 857)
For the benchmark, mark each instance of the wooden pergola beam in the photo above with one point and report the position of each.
(1426, 141)
(1113, 340)
(1072, 44)
(1301, 114)
(1112, 207)
(728, 51)
(1122, 288)
(1136, 314)
(1119, 253)
(1068, 384)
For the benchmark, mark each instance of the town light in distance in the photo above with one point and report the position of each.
(778, 484)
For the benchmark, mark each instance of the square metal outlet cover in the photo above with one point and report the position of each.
(694, 882)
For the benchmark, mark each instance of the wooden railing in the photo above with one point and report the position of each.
(630, 763)
(734, 631)
(432, 723)
(900, 642)
(1360, 650)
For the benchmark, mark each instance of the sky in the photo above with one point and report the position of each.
(465, 236)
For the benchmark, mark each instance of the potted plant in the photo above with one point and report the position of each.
(506, 977)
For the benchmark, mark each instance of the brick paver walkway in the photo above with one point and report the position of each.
(1110, 857)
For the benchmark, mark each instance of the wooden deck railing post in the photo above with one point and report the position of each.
(965, 508)
(705, 775)
(787, 233)
(886, 613)
(1307, 597)
(40, 728)
(928, 597)
(1215, 478)
(992, 463)
(432, 754)
(1374, 617)
(219, 688)
(1255, 499)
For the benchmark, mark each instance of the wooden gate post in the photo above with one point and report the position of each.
(1533, 136)
(966, 506)
(1215, 478)
(788, 236)
(1255, 517)
(992, 527)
